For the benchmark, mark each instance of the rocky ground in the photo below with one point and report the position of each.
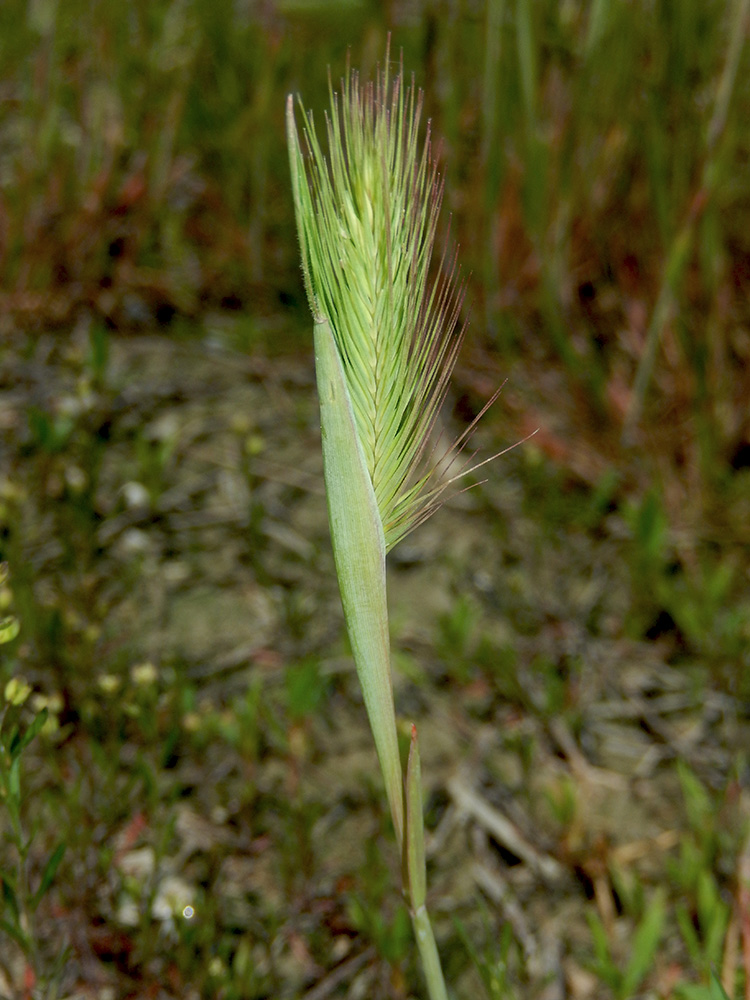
(211, 769)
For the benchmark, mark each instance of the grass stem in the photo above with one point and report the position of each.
(428, 952)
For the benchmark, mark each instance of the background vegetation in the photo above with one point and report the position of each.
(189, 792)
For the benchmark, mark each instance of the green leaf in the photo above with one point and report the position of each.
(304, 688)
(396, 937)
(527, 57)
(689, 934)
(359, 554)
(717, 990)
(644, 946)
(48, 875)
(14, 931)
(601, 945)
(12, 803)
(9, 898)
(597, 26)
(697, 801)
(14, 781)
(21, 741)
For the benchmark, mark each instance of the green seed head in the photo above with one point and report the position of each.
(366, 217)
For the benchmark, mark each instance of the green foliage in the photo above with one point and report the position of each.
(385, 347)
(456, 640)
(562, 800)
(392, 937)
(703, 913)
(695, 597)
(711, 991)
(624, 979)
(305, 688)
(23, 888)
(492, 960)
(50, 434)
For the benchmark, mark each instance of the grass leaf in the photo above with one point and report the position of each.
(48, 875)
(645, 945)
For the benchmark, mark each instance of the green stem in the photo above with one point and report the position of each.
(429, 954)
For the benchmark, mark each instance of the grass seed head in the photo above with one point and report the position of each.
(367, 213)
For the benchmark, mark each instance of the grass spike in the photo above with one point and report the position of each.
(367, 215)
(386, 341)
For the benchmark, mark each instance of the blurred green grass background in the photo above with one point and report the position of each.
(594, 157)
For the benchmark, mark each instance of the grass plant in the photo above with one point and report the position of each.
(385, 345)
(22, 889)
(588, 628)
